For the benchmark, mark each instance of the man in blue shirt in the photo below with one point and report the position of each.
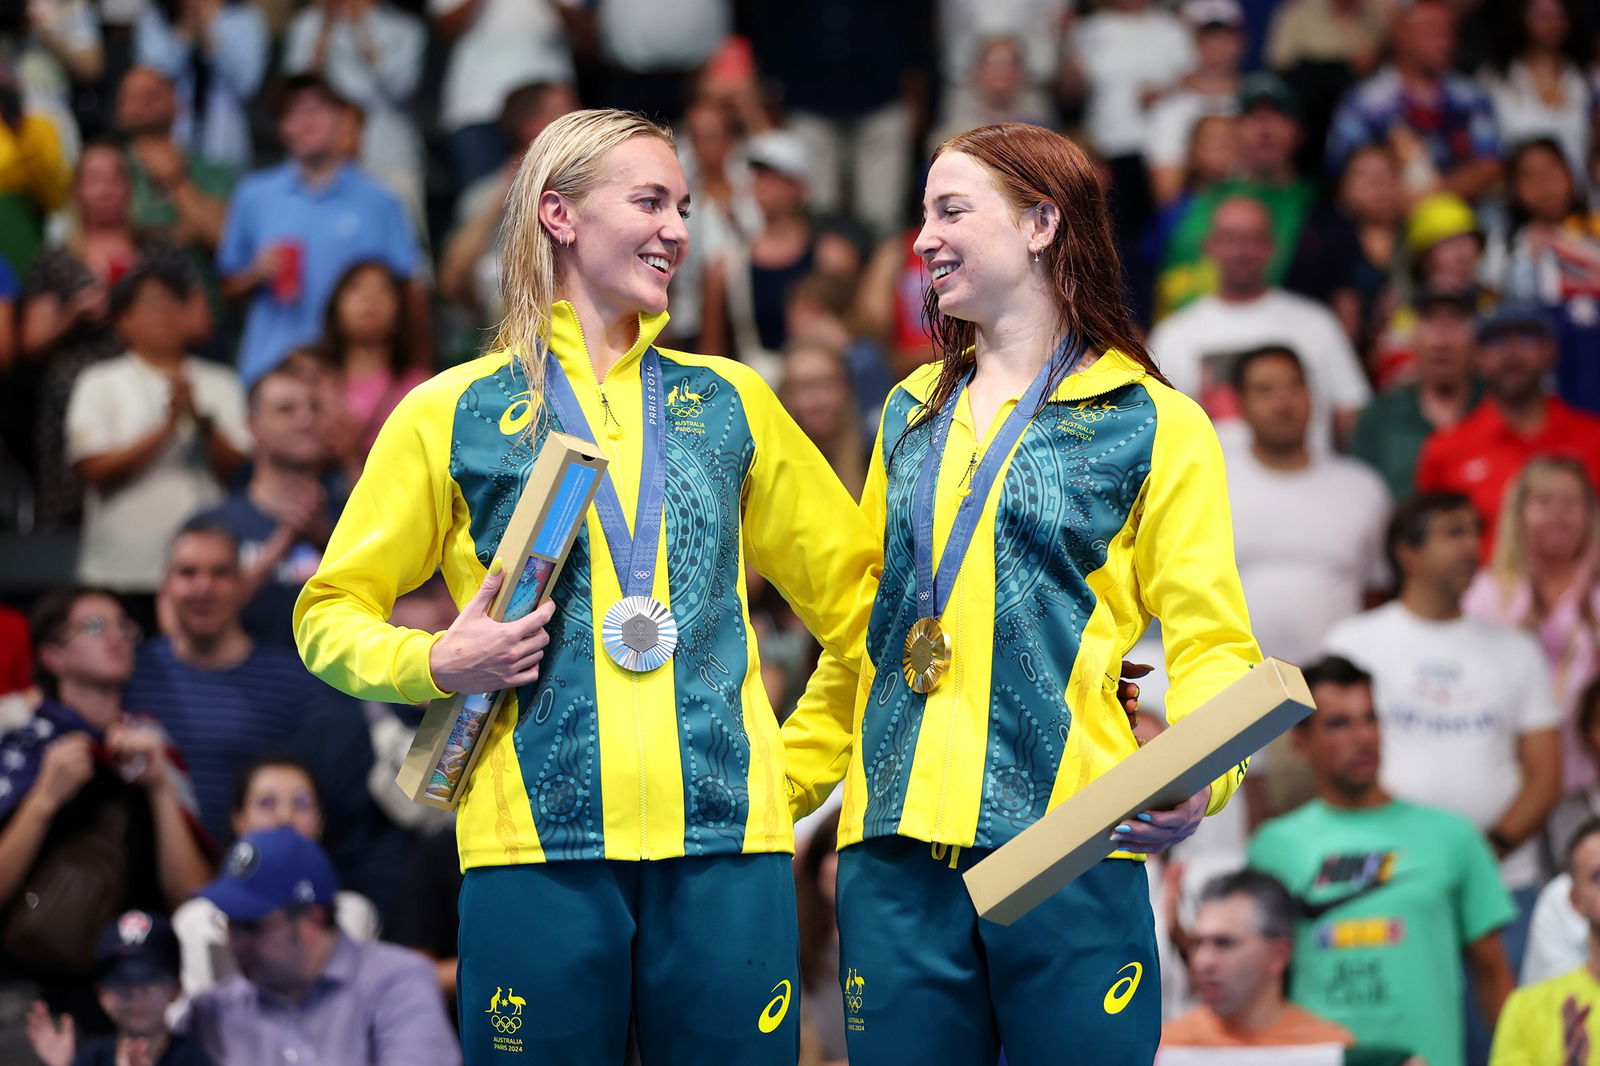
(224, 699)
(293, 229)
(282, 516)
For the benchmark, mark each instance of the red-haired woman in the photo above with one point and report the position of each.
(1041, 494)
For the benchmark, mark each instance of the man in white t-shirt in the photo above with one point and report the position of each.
(1308, 528)
(1197, 346)
(1469, 719)
(153, 433)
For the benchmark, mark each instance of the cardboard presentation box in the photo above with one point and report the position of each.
(1192, 753)
(532, 550)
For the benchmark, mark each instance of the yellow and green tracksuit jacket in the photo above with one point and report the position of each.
(593, 761)
(1111, 509)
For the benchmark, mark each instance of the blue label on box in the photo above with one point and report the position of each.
(566, 510)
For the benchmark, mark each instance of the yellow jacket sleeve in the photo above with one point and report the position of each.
(818, 736)
(388, 541)
(1184, 561)
(805, 533)
(48, 176)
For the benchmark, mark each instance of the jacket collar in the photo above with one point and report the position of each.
(572, 350)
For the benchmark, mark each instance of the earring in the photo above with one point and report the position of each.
(1035, 257)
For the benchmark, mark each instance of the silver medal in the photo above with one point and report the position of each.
(639, 633)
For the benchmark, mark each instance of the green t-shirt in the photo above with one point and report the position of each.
(1393, 894)
(1187, 273)
(1389, 436)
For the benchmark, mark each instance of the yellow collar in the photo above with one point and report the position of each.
(1111, 371)
(567, 341)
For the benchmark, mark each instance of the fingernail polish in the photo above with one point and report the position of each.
(496, 566)
(1124, 829)
(1144, 817)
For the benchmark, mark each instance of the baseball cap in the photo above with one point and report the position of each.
(1439, 217)
(781, 151)
(1515, 316)
(1266, 88)
(139, 948)
(1202, 13)
(268, 870)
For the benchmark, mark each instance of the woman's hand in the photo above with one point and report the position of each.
(478, 654)
(1154, 831)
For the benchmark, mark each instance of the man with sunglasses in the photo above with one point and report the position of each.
(92, 797)
(304, 992)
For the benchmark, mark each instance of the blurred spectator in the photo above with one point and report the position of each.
(822, 1004)
(1558, 937)
(1211, 88)
(136, 980)
(367, 342)
(274, 789)
(371, 54)
(1556, 1020)
(821, 309)
(1119, 60)
(59, 57)
(1439, 125)
(968, 29)
(1551, 256)
(1312, 251)
(853, 74)
(651, 51)
(1444, 250)
(1370, 196)
(282, 516)
(215, 53)
(66, 326)
(1393, 894)
(1469, 723)
(1517, 420)
(497, 46)
(96, 812)
(1392, 429)
(305, 991)
(294, 229)
(745, 288)
(1344, 33)
(1240, 945)
(1196, 347)
(179, 194)
(154, 433)
(1308, 527)
(34, 173)
(223, 697)
(469, 265)
(228, 699)
(999, 91)
(1543, 579)
(1539, 77)
(816, 391)
(892, 304)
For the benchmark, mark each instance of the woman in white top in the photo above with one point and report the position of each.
(1537, 82)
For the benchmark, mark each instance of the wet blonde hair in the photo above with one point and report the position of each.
(567, 158)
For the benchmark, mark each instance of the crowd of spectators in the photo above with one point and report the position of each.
(1363, 234)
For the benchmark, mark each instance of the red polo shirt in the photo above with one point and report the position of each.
(1482, 455)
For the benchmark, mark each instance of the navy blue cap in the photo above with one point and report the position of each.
(271, 869)
(1515, 316)
(139, 948)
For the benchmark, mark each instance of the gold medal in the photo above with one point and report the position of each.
(927, 655)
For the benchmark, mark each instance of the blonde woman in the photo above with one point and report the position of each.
(1544, 578)
(626, 835)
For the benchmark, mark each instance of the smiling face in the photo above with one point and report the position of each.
(627, 235)
(975, 246)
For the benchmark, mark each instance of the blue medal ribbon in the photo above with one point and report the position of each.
(933, 587)
(633, 557)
